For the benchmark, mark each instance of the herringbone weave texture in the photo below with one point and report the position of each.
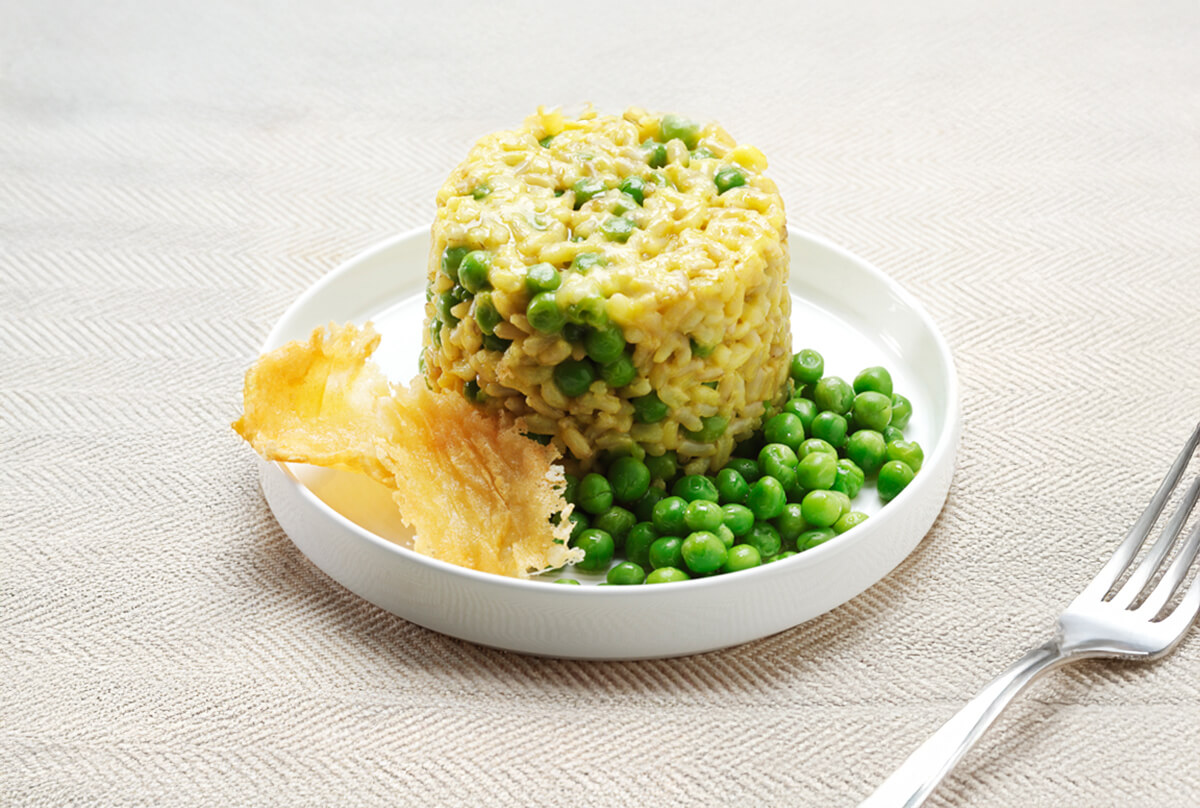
(173, 175)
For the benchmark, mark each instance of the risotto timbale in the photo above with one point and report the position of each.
(620, 282)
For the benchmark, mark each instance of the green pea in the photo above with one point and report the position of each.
(791, 523)
(867, 449)
(626, 573)
(666, 551)
(711, 428)
(775, 456)
(586, 260)
(725, 535)
(815, 445)
(891, 433)
(618, 372)
(663, 466)
(638, 541)
(787, 478)
(694, 487)
(780, 556)
(624, 204)
(785, 428)
(676, 127)
(746, 467)
(590, 310)
(574, 376)
(821, 508)
(703, 552)
(778, 466)
(668, 516)
(833, 394)
(617, 522)
(570, 487)
(635, 187)
(587, 188)
(764, 538)
(811, 538)
(831, 428)
(728, 178)
(702, 154)
(542, 278)
(738, 518)
(486, 315)
(807, 367)
(618, 228)
(630, 479)
(598, 550)
(656, 153)
(473, 393)
(649, 409)
(443, 305)
(451, 260)
(872, 410)
(701, 351)
(908, 452)
(817, 471)
(644, 507)
(481, 191)
(848, 520)
(604, 345)
(894, 477)
(804, 409)
(767, 498)
(568, 581)
(494, 343)
(874, 379)
(579, 523)
(474, 269)
(703, 514)
(901, 411)
(666, 575)
(850, 478)
(595, 494)
(544, 314)
(731, 487)
(842, 499)
(742, 557)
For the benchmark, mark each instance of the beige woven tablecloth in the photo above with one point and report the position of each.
(172, 175)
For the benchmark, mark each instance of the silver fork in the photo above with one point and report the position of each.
(1122, 626)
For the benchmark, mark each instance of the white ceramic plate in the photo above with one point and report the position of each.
(347, 525)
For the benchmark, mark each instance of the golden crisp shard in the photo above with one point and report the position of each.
(477, 492)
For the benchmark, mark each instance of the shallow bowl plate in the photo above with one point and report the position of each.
(851, 312)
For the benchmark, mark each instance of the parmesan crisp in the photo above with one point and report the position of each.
(477, 492)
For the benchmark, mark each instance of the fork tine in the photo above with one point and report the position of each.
(1180, 619)
(1153, 560)
(1120, 560)
(1175, 573)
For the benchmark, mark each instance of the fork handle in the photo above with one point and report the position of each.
(911, 784)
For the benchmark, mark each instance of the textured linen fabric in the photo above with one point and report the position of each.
(174, 174)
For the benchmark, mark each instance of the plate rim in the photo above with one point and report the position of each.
(947, 444)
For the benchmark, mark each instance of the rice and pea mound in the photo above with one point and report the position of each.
(620, 282)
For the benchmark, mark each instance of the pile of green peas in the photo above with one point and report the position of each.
(787, 489)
